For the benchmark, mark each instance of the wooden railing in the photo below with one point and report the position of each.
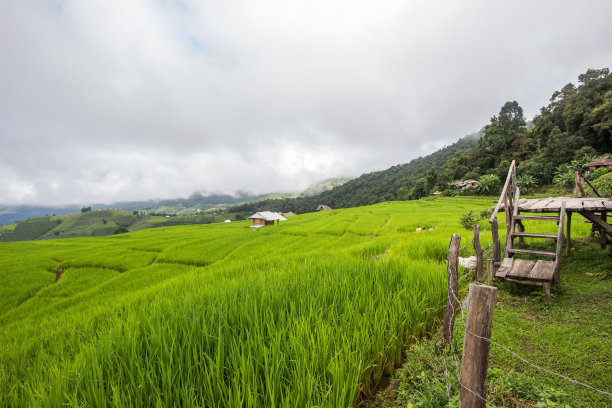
(507, 199)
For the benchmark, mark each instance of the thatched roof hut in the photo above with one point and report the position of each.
(605, 161)
(323, 207)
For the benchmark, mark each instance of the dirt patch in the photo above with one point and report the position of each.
(59, 272)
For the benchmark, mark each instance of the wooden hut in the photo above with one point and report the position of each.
(605, 161)
(323, 207)
(266, 218)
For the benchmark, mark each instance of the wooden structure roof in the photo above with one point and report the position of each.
(605, 161)
(323, 207)
(268, 216)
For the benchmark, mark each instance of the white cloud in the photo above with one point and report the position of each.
(109, 100)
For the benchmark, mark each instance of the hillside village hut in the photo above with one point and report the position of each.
(287, 214)
(265, 218)
(605, 161)
(323, 207)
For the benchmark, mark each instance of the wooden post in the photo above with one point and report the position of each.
(490, 270)
(453, 290)
(478, 251)
(521, 228)
(496, 246)
(569, 228)
(579, 185)
(475, 348)
(603, 237)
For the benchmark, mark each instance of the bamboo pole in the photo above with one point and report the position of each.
(476, 346)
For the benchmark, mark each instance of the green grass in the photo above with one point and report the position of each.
(570, 335)
(312, 312)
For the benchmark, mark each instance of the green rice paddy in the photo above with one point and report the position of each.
(311, 312)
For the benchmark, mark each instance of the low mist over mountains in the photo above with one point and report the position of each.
(197, 203)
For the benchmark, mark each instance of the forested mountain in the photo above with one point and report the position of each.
(576, 124)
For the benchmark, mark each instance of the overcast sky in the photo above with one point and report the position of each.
(105, 101)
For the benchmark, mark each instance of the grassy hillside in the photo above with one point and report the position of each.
(311, 312)
(98, 223)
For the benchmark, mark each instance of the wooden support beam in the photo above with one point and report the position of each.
(597, 221)
(603, 238)
(476, 346)
(453, 290)
(520, 228)
(479, 254)
(569, 228)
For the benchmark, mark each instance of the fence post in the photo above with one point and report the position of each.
(452, 272)
(490, 270)
(476, 346)
(496, 245)
(478, 251)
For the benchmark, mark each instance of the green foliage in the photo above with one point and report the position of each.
(120, 230)
(526, 182)
(485, 214)
(468, 220)
(488, 184)
(594, 175)
(565, 176)
(603, 185)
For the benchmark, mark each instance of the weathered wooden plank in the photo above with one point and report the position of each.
(521, 269)
(555, 204)
(537, 217)
(574, 203)
(504, 268)
(542, 271)
(589, 205)
(528, 203)
(534, 235)
(531, 252)
(607, 204)
(542, 204)
(524, 282)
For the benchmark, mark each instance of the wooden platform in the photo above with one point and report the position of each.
(572, 204)
(593, 209)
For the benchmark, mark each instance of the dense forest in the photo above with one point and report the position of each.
(576, 125)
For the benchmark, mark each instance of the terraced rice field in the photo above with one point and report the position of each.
(312, 312)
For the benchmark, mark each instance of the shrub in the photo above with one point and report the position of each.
(565, 176)
(487, 184)
(603, 185)
(526, 183)
(468, 220)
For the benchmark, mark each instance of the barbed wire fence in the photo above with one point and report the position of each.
(452, 373)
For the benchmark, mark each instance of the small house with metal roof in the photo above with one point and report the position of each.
(265, 218)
